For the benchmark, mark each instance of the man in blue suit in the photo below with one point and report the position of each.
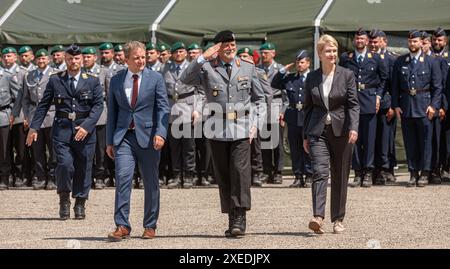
(78, 101)
(136, 129)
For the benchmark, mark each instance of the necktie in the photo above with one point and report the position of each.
(72, 85)
(178, 70)
(228, 68)
(40, 74)
(134, 95)
(414, 61)
(360, 59)
(302, 77)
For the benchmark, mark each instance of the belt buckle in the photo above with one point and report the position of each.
(413, 92)
(175, 97)
(361, 86)
(299, 106)
(231, 115)
(72, 116)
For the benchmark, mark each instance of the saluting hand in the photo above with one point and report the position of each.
(81, 134)
(158, 142)
(31, 137)
(288, 66)
(211, 52)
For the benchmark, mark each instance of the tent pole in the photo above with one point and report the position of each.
(317, 22)
(10, 11)
(154, 26)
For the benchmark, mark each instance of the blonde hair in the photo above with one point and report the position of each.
(132, 45)
(326, 40)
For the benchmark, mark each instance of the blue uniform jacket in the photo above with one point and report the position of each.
(424, 77)
(88, 98)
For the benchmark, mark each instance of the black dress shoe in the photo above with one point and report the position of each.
(423, 181)
(141, 184)
(38, 184)
(239, 225)
(4, 182)
(367, 180)
(298, 182)
(435, 178)
(230, 224)
(412, 179)
(204, 182)
(19, 182)
(79, 209)
(265, 178)
(174, 183)
(51, 185)
(356, 181)
(277, 179)
(109, 182)
(256, 180)
(187, 182)
(64, 205)
(99, 184)
(308, 181)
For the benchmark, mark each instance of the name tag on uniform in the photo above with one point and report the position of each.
(243, 78)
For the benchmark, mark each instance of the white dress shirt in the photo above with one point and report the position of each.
(128, 84)
(327, 83)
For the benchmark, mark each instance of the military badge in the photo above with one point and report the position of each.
(445, 54)
(369, 55)
(238, 62)
(84, 76)
(421, 59)
(382, 56)
(215, 93)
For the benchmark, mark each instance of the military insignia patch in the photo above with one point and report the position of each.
(215, 93)
(242, 78)
(369, 55)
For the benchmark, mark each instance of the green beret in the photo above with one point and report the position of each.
(209, 45)
(89, 50)
(57, 48)
(118, 47)
(193, 46)
(246, 50)
(41, 52)
(151, 46)
(106, 46)
(163, 47)
(24, 49)
(178, 45)
(9, 50)
(267, 46)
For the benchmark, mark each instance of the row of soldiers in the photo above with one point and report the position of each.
(389, 87)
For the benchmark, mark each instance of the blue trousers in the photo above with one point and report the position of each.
(417, 135)
(73, 171)
(385, 142)
(301, 164)
(127, 155)
(363, 155)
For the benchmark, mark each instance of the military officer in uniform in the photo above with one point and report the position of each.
(164, 53)
(293, 115)
(194, 51)
(185, 103)
(386, 120)
(119, 55)
(246, 54)
(107, 58)
(230, 86)
(78, 99)
(102, 177)
(152, 58)
(33, 90)
(439, 49)
(417, 89)
(19, 169)
(273, 157)
(58, 56)
(371, 75)
(26, 58)
(6, 96)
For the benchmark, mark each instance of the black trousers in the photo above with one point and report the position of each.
(45, 167)
(256, 157)
(203, 159)
(5, 158)
(273, 158)
(100, 153)
(330, 154)
(22, 160)
(232, 172)
(182, 152)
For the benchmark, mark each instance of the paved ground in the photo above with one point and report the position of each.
(385, 217)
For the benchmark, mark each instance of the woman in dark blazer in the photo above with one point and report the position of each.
(330, 124)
